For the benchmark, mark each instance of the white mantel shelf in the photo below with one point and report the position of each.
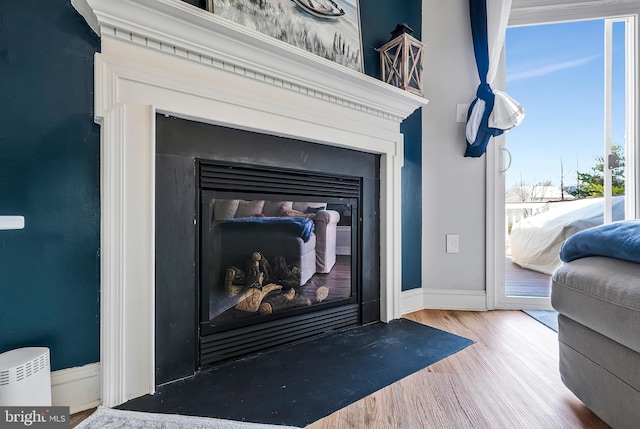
(168, 57)
(187, 31)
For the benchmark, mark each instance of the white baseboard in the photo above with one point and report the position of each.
(411, 300)
(77, 388)
(443, 299)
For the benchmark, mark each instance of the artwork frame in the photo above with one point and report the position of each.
(328, 28)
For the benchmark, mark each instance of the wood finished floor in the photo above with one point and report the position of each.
(507, 379)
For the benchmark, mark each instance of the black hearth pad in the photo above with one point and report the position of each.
(301, 383)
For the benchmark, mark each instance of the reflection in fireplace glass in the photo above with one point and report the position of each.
(265, 258)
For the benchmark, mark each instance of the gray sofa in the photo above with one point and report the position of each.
(598, 301)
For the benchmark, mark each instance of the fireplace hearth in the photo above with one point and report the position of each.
(258, 262)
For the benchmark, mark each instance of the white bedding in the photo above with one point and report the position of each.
(536, 240)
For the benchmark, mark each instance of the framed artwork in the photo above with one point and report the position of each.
(328, 28)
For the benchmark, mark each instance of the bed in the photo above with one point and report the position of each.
(597, 295)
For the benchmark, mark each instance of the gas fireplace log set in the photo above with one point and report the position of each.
(266, 287)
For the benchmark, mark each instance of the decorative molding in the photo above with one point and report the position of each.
(391, 230)
(273, 79)
(85, 10)
(113, 256)
(77, 388)
(176, 28)
(443, 299)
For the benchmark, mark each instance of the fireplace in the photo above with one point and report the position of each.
(280, 200)
(168, 57)
(268, 251)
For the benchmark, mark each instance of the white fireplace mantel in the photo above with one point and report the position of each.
(166, 56)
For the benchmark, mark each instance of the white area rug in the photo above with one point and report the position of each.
(109, 418)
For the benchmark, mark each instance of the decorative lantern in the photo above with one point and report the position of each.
(401, 60)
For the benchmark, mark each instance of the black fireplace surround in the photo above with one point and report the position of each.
(197, 164)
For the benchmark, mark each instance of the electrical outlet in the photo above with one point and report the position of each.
(461, 112)
(453, 243)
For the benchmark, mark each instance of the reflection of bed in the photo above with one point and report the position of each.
(597, 296)
(536, 240)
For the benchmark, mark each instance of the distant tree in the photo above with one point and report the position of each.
(591, 184)
(529, 192)
(526, 192)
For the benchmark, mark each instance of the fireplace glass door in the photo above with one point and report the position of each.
(274, 244)
(263, 257)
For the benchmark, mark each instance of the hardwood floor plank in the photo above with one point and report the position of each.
(79, 417)
(512, 370)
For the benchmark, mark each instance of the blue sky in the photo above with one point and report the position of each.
(557, 72)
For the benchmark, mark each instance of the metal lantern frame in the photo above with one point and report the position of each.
(401, 61)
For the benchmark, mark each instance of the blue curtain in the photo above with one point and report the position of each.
(493, 111)
(478, 15)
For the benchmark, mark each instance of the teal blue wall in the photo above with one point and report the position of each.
(49, 159)
(49, 172)
(378, 18)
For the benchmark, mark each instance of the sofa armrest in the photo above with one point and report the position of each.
(326, 222)
(326, 217)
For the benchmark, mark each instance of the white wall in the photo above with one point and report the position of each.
(453, 186)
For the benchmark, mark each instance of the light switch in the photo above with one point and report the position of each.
(453, 244)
